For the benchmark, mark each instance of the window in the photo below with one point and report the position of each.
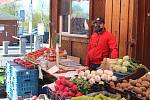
(74, 16)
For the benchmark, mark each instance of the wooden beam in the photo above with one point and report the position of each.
(108, 15)
(123, 27)
(130, 33)
(116, 19)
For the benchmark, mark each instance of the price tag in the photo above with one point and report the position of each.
(53, 69)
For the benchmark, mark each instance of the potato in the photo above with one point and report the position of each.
(145, 84)
(144, 98)
(112, 84)
(146, 78)
(147, 94)
(130, 87)
(125, 81)
(137, 90)
(133, 82)
(144, 94)
(143, 88)
(143, 78)
(138, 85)
(125, 85)
(118, 85)
(139, 80)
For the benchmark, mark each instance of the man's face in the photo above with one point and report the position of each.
(99, 27)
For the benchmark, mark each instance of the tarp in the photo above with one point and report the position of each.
(6, 1)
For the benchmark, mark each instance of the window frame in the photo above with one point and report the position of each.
(68, 33)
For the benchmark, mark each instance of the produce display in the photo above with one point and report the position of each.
(140, 86)
(65, 88)
(97, 97)
(98, 76)
(50, 54)
(126, 64)
(83, 85)
(24, 63)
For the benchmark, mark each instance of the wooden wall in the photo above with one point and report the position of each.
(119, 20)
(129, 20)
(143, 32)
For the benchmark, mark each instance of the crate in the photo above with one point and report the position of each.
(21, 81)
(25, 87)
(21, 74)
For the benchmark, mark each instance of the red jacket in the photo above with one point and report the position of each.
(100, 46)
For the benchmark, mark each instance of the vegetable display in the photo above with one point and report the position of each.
(140, 86)
(98, 76)
(126, 64)
(84, 86)
(97, 97)
(66, 88)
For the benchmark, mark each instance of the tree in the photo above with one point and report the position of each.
(10, 8)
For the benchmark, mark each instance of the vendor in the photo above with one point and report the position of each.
(102, 44)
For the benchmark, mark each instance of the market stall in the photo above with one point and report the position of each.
(115, 79)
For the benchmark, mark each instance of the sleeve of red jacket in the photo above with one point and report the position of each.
(113, 46)
(87, 60)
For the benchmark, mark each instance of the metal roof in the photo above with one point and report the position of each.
(4, 16)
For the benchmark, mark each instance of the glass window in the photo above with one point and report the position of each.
(74, 16)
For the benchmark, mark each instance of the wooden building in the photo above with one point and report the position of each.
(9, 24)
(128, 20)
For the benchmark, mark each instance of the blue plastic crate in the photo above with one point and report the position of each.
(24, 94)
(26, 86)
(21, 81)
(21, 74)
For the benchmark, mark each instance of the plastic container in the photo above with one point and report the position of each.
(21, 81)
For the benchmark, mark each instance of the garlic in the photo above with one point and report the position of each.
(87, 72)
(97, 78)
(89, 76)
(93, 73)
(106, 71)
(109, 78)
(110, 73)
(91, 81)
(81, 73)
(114, 78)
(85, 78)
(104, 77)
(99, 72)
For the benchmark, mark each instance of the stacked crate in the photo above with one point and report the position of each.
(21, 81)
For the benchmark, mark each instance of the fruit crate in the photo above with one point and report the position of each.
(14, 96)
(21, 74)
(21, 81)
